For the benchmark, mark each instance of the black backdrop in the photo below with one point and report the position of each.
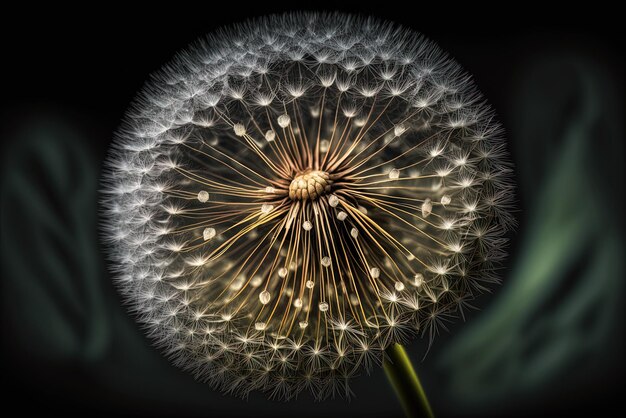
(551, 340)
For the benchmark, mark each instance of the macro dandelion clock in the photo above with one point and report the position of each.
(291, 196)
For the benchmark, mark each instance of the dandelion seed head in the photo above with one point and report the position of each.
(309, 185)
(265, 297)
(358, 181)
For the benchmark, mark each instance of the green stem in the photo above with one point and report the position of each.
(405, 382)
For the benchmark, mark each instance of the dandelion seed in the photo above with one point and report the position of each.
(445, 199)
(282, 272)
(260, 326)
(323, 306)
(265, 297)
(399, 130)
(303, 324)
(310, 284)
(256, 281)
(427, 208)
(399, 286)
(266, 208)
(418, 279)
(326, 261)
(270, 189)
(341, 216)
(239, 129)
(297, 303)
(375, 272)
(284, 121)
(237, 284)
(208, 233)
(394, 173)
(203, 196)
(354, 233)
(333, 201)
(307, 225)
(270, 136)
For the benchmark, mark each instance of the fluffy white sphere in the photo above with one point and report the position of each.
(290, 196)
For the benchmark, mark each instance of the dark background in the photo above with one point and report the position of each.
(550, 340)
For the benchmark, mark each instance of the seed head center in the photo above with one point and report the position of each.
(309, 185)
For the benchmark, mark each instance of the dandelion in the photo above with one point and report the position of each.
(294, 195)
